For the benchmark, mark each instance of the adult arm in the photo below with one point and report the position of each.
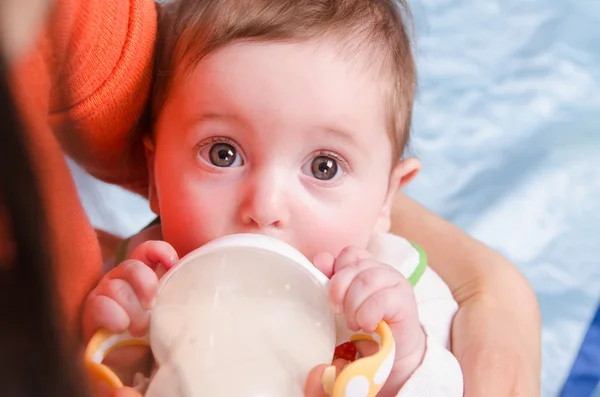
(496, 332)
(81, 90)
(101, 61)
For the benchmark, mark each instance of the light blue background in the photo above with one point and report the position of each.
(508, 127)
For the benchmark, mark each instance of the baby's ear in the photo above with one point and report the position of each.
(404, 171)
(152, 195)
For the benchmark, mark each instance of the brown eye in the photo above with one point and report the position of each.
(324, 168)
(224, 155)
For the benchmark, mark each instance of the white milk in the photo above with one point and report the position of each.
(230, 324)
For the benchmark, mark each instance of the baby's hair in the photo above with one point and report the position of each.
(370, 31)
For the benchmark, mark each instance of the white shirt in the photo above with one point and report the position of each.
(439, 375)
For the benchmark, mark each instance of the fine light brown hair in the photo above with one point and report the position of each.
(373, 32)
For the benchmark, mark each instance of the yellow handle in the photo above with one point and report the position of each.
(364, 377)
(367, 375)
(100, 346)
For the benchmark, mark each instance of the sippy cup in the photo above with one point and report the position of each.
(245, 315)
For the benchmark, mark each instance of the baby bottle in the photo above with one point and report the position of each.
(245, 315)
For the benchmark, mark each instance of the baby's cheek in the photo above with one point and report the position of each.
(190, 230)
(349, 235)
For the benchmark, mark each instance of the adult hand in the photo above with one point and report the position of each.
(496, 332)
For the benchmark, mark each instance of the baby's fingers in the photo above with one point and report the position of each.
(141, 279)
(350, 256)
(121, 292)
(342, 280)
(374, 295)
(103, 312)
(156, 252)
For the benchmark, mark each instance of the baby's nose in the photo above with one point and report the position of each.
(265, 203)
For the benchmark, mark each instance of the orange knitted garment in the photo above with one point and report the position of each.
(81, 92)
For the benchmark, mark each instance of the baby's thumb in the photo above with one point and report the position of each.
(324, 263)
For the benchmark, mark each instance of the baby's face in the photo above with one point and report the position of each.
(283, 139)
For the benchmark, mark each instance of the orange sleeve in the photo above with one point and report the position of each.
(81, 91)
(102, 61)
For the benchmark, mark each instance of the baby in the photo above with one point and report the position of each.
(289, 118)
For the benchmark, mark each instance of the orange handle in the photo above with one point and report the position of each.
(367, 375)
(364, 377)
(100, 346)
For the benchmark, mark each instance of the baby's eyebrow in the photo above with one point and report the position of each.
(200, 118)
(209, 116)
(341, 134)
(338, 133)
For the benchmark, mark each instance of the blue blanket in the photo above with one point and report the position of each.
(508, 126)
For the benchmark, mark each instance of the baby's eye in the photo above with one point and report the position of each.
(323, 168)
(221, 155)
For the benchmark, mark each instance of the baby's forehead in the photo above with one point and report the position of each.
(353, 49)
(301, 79)
(340, 50)
(259, 64)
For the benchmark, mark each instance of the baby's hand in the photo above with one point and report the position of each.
(124, 296)
(367, 292)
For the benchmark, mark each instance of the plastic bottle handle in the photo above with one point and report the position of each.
(100, 346)
(363, 377)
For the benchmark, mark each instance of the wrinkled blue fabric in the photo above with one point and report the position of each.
(584, 377)
(507, 124)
